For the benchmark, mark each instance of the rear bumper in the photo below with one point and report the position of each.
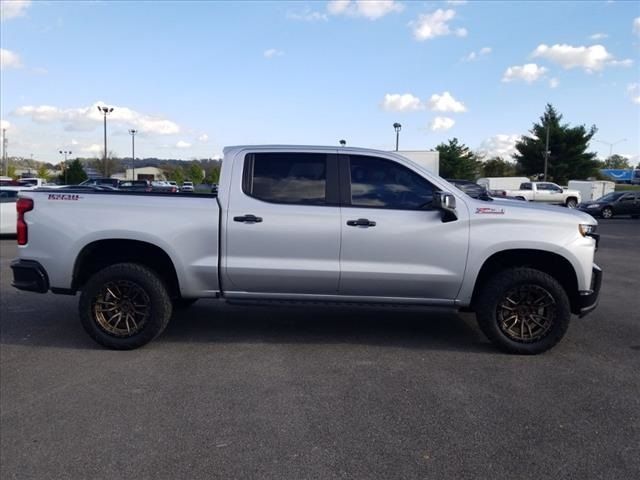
(588, 299)
(29, 275)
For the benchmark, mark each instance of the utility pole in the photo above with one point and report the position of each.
(105, 111)
(546, 154)
(65, 153)
(133, 132)
(5, 160)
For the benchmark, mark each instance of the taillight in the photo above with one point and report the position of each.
(23, 205)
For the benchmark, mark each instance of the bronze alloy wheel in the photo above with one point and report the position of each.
(526, 313)
(121, 308)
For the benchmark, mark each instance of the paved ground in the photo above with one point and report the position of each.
(300, 393)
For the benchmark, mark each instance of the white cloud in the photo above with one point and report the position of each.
(395, 102)
(501, 145)
(183, 144)
(529, 73)
(554, 82)
(94, 148)
(203, 138)
(457, 2)
(590, 59)
(436, 24)
(445, 103)
(636, 25)
(441, 123)
(308, 15)
(88, 118)
(370, 9)
(9, 59)
(633, 90)
(484, 51)
(598, 36)
(5, 124)
(273, 52)
(13, 8)
(74, 142)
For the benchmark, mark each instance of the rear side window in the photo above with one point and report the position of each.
(377, 182)
(8, 196)
(287, 177)
(525, 186)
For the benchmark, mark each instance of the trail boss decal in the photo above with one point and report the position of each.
(63, 196)
(490, 211)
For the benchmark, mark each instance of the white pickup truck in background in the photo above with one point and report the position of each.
(310, 224)
(546, 192)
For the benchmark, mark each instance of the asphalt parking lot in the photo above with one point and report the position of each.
(239, 392)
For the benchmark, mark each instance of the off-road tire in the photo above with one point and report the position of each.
(494, 293)
(158, 303)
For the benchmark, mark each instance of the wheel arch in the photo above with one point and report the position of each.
(548, 262)
(101, 253)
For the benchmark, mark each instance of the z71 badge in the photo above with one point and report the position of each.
(490, 211)
(63, 196)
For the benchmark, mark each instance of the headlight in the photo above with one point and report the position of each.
(586, 229)
(593, 205)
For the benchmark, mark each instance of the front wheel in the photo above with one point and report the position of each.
(607, 212)
(124, 306)
(523, 311)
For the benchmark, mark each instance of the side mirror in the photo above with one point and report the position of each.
(445, 202)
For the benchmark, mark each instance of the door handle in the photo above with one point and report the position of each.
(248, 219)
(361, 222)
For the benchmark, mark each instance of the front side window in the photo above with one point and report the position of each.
(376, 182)
(287, 177)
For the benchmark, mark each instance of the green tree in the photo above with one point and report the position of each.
(108, 168)
(616, 161)
(498, 167)
(11, 171)
(213, 175)
(458, 161)
(43, 171)
(74, 174)
(175, 174)
(568, 157)
(195, 173)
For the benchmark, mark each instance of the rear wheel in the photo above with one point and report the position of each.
(571, 203)
(124, 306)
(523, 311)
(607, 212)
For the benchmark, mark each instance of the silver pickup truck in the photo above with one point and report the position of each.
(310, 224)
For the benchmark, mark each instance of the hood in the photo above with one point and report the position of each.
(518, 208)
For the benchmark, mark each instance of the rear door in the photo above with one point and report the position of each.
(393, 243)
(283, 224)
(626, 204)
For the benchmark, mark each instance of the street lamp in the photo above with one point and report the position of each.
(612, 144)
(343, 142)
(133, 132)
(397, 127)
(105, 111)
(65, 153)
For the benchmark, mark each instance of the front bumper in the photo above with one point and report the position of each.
(29, 275)
(588, 299)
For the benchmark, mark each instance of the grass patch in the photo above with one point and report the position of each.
(624, 187)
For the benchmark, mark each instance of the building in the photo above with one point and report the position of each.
(142, 173)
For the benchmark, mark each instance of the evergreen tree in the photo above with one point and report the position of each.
(458, 161)
(568, 157)
(498, 167)
(74, 174)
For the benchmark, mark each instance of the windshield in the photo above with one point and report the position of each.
(610, 197)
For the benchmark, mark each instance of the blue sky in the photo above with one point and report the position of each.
(193, 77)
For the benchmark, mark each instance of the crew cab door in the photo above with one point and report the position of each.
(282, 225)
(393, 243)
(549, 192)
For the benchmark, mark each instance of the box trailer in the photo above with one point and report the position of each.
(592, 189)
(502, 183)
(424, 158)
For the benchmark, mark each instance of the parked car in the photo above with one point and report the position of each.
(135, 185)
(470, 188)
(174, 184)
(163, 186)
(187, 187)
(546, 192)
(294, 224)
(613, 204)
(8, 214)
(111, 182)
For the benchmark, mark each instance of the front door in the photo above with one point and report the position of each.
(283, 225)
(393, 243)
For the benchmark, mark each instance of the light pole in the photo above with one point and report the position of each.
(612, 144)
(105, 111)
(343, 143)
(65, 153)
(133, 132)
(397, 127)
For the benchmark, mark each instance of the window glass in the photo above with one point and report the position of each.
(298, 178)
(376, 182)
(525, 186)
(8, 196)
